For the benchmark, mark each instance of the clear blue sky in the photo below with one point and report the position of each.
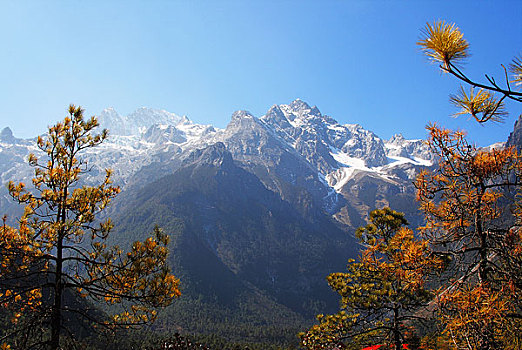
(356, 60)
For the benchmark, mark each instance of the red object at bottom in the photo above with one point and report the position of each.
(375, 347)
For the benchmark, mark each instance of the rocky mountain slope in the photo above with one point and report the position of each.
(259, 212)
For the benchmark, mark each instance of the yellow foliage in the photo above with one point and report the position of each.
(59, 233)
(466, 220)
(444, 43)
(379, 292)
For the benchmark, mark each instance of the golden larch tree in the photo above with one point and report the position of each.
(469, 219)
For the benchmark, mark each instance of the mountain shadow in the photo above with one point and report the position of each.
(237, 246)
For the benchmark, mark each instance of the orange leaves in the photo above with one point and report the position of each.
(140, 274)
(150, 244)
(18, 192)
(467, 218)
(476, 315)
(444, 43)
(467, 184)
(516, 69)
(109, 299)
(329, 330)
(20, 302)
(51, 248)
(495, 162)
(134, 316)
(381, 290)
(172, 286)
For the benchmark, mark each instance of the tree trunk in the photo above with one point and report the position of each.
(56, 315)
(396, 330)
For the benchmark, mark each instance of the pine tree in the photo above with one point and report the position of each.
(382, 292)
(444, 43)
(60, 247)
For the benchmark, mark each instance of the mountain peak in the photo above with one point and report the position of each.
(299, 105)
(185, 120)
(146, 117)
(275, 116)
(137, 122)
(301, 110)
(515, 137)
(116, 124)
(6, 135)
(109, 110)
(242, 114)
(242, 120)
(397, 139)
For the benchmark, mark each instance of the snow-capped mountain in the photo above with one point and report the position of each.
(258, 212)
(318, 137)
(137, 122)
(141, 138)
(291, 145)
(337, 151)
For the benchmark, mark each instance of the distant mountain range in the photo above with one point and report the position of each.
(259, 212)
(295, 142)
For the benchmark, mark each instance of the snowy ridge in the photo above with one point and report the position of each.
(341, 151)
(334, 153)
(135, 123)
(349, 166)
(134, 141)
